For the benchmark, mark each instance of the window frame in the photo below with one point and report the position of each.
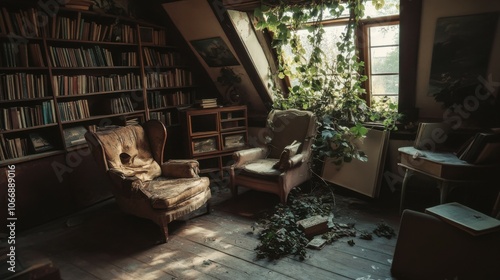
(364, 48)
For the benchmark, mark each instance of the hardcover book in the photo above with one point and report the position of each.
(465, 218)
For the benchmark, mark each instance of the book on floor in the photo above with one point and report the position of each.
(465, 218)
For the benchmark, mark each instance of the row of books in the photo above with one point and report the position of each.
(172, 78)
(82, 84)
(121, 105)
(21, 55)
(79, 29)
(37, 23)
(72, 57)
(155, 37)
(23, 86)
(74, 110)
(13, 148)
(164, 117)
(28, 116)
(25, 23)
(157, 99)
(128, 59)
(153, 57)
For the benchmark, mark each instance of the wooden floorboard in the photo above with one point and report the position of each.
(104, 243)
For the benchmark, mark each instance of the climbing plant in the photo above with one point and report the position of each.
(332, 88)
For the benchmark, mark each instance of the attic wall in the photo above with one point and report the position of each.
(431, 11)
(196, 20)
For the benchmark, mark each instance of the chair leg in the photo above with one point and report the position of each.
(164, 231)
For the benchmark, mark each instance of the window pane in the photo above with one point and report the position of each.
(380, 101)
(384, 84)
(391, 7)
(384, 35)
(385, 60)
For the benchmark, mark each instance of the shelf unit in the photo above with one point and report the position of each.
(80, 69)
(212, 135)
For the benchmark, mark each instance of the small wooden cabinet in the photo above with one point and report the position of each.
(212, 135)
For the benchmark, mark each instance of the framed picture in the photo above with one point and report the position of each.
(215, 52)
(461, 51)
(75, 136)
(39, 143)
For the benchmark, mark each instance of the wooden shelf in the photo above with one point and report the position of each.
(206, 139)
(57, 50)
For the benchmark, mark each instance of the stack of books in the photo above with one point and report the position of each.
(206, 103)
(78, 4)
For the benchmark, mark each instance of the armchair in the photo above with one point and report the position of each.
(283, 163)
(144, 185)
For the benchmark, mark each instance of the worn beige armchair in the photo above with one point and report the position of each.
(144, 185)
(284, 162)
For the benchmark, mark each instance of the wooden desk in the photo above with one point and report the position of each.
(446, 168)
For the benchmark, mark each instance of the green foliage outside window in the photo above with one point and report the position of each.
(332, 89)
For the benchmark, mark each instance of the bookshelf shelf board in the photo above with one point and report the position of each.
(21, 69)
(170, 88)
(26, 100)
(96, 68)
(209, 170)
(158, 67)
(79, 95)
(27, 128)
(164, 47)
(16, 36)
(77, 147)
(98, 117)
(30, 157)
(163, 108)
(232, 119)
(50, 41)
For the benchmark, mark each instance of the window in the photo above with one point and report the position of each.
(382, 63)
(378, 41)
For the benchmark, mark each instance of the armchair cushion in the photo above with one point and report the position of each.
(132, 155)
(288, 152)
(171, 193)
(261, 168)
(180, 169)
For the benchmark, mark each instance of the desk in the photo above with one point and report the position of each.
(445, 167)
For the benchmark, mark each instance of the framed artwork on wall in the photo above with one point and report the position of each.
(215, 52)
(461, 51)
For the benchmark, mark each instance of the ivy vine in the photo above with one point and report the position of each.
(332, 89)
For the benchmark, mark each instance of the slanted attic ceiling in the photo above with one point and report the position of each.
(196, 19)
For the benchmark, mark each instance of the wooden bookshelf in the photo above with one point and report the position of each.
(79, 68)
(212, 135)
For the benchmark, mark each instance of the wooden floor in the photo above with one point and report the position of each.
(104, 243)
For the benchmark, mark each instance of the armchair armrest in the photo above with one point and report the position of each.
(295, 161)
(188, 168)
(243, 156)
(124, 185)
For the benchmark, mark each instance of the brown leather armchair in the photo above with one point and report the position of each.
(283, 163)
(144, 185)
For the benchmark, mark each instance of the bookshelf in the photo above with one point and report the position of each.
(212, 135)
(74, 69)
